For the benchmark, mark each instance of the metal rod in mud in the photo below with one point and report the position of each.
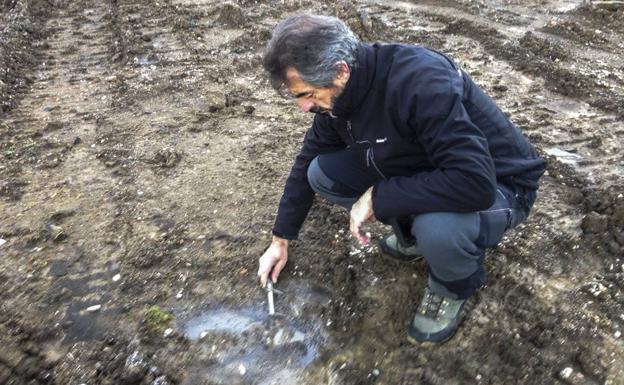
(270, 297)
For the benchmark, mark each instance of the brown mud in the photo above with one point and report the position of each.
(143, 154)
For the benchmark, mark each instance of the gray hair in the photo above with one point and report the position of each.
(311, 44)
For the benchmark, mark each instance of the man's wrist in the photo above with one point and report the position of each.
(279, 241)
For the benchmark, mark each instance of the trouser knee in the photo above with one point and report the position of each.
(447, 241)
(317, 179)
(328, 188)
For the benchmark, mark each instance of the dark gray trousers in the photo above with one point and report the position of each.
(453, 244)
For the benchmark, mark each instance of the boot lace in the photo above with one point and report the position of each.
(433, 305)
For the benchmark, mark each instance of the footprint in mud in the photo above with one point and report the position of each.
(252, 346)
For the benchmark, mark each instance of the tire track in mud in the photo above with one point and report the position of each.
(19, 43)
(44, 141)
(166, 60)
(533, 53)
(560, 78)
(52, 225)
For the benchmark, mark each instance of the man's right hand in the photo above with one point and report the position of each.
(273, 260)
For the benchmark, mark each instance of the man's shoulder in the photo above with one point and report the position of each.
(419, 79)
(413, 66)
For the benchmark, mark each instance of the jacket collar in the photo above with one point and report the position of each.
(359, 83)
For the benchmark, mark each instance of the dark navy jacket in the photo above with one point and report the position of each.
(442, 144)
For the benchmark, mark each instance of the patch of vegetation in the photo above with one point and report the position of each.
(156, 319)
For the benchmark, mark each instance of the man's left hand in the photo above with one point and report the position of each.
(362, 211)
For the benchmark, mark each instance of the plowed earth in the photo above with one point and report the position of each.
(143, 154)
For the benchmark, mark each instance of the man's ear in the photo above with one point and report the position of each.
(342, 70)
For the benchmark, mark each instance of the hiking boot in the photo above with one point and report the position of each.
(437, 318)
(391, 246)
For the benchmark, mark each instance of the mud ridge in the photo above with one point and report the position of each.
(525, 57)
(20, 46)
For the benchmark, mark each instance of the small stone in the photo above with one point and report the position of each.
(93, 308)
(565, 373)
(116, 277)
(376, 372)
(2, 241)
(168, 332)
(179, 295)
(617, 334)
(134, 370)
(162, 380)
(203, 334)
(242, 370)
(56, 232)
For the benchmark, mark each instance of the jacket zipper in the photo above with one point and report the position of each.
(370, 156)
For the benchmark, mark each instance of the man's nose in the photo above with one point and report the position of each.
(305, 105)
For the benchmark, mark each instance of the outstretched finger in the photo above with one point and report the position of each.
(263, 274)
(263, 280)
(277, 270)
(353, 228)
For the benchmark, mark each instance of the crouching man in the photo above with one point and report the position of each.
(400, 134)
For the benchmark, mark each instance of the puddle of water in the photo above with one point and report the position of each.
(564, 156)
(221, 320)
(146, 60)
(267, 350)
(571, 109)
(566, 5)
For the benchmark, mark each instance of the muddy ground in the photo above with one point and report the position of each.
(143, 154)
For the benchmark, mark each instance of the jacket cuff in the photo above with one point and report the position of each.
(290, 237)
(377, 210)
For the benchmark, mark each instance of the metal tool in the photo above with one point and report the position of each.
(269, 289)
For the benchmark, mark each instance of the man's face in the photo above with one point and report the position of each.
(314, 99)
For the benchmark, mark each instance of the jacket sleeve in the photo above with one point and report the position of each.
(298, 196)
(462, 175)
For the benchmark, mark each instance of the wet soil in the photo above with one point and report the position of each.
(143, 154)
